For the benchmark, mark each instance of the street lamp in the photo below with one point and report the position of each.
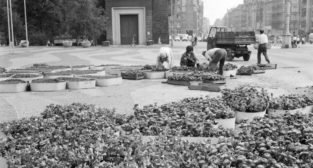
(287, 35)
(10, 24)
(26, 31)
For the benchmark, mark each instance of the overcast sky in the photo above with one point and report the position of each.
(214, 9)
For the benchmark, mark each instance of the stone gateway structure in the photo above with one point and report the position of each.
(137, 21)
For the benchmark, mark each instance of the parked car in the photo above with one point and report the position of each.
(177, 38)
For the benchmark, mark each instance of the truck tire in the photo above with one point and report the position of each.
(246, 57)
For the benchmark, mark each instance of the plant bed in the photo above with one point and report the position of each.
(78, 73)
(79, 83)
(24, 71)
(180, 83)
(213, 78)
(13, 86)
(133, 75)
(248, 102)
(80, 67)
(154, 74)
(230, 70)
(243, 70)
(47, 85)
(211, 87)
(86, 44)
(290, 103)
(27, 77)
(67, 43)
(104, 81)
(5, 76)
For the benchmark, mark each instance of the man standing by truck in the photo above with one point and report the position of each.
(262, 49)
(215, 56)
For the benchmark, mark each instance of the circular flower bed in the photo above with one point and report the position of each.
(13, 86)
(248, 102)
(104, 81)
(5, 76)
(47, 85)
(78, 73)
(27, 77)
(292, 103)
(59, 74)
(79, 83)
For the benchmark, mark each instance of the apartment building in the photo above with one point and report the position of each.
(271, 16)
(187, 15)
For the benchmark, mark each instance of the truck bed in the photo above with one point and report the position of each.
(237, 38)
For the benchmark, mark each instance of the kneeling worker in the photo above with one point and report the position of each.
(215, 56)
(165, 58)
(188, 59)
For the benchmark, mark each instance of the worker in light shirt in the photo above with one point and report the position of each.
(262, 49)
(165, 58)
(216, 56)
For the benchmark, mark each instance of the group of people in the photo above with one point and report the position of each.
(215, 56)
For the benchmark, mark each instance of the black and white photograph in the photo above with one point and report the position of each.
(156, 83)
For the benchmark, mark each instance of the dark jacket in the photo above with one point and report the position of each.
(188, 60)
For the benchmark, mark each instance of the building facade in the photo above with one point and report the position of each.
(187, 15)
(137, 21)
(270, 15)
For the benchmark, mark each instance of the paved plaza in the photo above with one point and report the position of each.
(294, 71)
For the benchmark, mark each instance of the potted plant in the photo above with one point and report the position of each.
(79, 83)
(13, 86)
(208, 77)
(133, 75)
(213, 109)
(86, 44)
(230, 70)
(59, 74)
(248, 102)
(67, 43)
(47, 85)
(5, 76)
(290, 103)
(243, 70)
(80, 67)
(183, 79)
(27, 77)
(104, 81)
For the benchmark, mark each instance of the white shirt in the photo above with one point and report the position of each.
(210, 53)
(165, 52)
(263, 39)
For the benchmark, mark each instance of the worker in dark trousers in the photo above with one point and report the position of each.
(262, 49)
(216, 56)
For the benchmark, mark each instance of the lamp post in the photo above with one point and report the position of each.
(10, 24)
(25, 15)
(287, 35)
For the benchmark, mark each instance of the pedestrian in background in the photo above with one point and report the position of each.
(262, 49)
(188, 58)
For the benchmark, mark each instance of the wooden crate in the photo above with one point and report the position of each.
(267, 66)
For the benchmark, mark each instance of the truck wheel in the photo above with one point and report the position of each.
(246, 57)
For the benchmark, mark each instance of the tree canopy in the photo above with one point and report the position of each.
(50, 19)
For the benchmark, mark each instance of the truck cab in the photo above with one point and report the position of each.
(235, 43)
